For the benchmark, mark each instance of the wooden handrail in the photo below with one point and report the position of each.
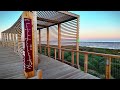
(86, 53)
(101, 54)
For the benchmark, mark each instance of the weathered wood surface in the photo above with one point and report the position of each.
(11, 65)
(53, 69)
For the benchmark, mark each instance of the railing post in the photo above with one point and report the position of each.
(39, 74)
(40, 41)
(72, 58)
(108, 68)
(8, 40)
(11, 40)
(18, 40)
(77, 59)
(14, 39)
(86, 63)
(55, 53)
(2, 39)
(45, 50)
(62, 55)
(49, 52)
(5, 39)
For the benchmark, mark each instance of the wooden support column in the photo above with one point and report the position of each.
(85, 63)
(59, 42)
(108, 68)
(36, 56)
(48, 40)
(29, 43)
(62, 55)
(77, 43)
(40, 41)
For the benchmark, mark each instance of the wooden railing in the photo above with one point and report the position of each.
(85, 53)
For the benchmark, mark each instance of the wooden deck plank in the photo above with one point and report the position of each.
(53, 69)
(68, 75)
(19, 76)
(76, 75)
(11, 65)
(61, 73)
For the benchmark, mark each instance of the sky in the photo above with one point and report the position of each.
(94, 25)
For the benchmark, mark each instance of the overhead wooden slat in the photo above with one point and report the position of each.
(42, 25)
(47, 20)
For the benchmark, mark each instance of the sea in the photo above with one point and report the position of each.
(108, 45)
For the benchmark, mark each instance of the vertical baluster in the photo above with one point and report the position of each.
(86, 63)
(39, 74)
(108, 68)
(45, 50)
(72, 58)
(62, 55)
(55, 53)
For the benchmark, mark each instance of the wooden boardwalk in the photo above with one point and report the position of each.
(53, 69)
(11, 67)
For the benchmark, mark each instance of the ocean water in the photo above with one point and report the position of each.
(108, 45)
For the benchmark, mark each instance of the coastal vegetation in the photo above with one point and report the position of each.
(96, 64)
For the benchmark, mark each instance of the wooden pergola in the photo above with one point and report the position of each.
(66, 26)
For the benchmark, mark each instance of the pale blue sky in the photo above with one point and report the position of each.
(94, 25)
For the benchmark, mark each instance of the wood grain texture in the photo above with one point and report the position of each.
(54, 69)
(11, 66)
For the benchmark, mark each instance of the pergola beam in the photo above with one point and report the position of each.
(69, 13)
(44, 26)
(55, 23)
(47, 20)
